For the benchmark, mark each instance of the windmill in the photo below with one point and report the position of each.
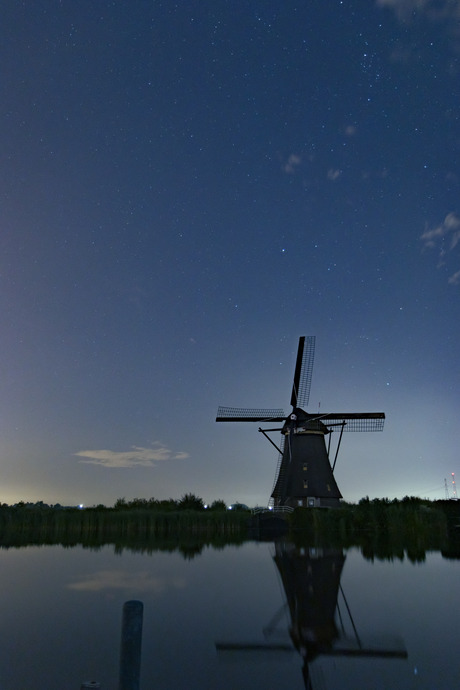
(305, 475)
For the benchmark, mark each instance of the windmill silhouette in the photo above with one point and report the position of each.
(305, 475)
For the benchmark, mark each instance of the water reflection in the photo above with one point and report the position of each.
(320, 617)
(314, 617)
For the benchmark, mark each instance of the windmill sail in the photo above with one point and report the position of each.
(246, 414)
(353, 421)
(303, 371)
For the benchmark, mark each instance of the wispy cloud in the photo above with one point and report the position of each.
(449, 229)
(434, 9)
(136, 457)
(350, 130)
(444, 13)
(333, 174)
(444, 238)
(292, 163)
(454, 279)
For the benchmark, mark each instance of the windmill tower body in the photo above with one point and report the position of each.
(305, 477)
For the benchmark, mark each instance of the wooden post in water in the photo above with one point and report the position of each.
(130, 648)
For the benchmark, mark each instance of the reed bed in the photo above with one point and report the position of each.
(51, 525)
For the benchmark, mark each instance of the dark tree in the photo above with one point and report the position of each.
(190, 502)
(218, 505)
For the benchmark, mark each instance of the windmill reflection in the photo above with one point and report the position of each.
(311, 580)
(318, 611)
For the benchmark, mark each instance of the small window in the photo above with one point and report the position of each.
(305, 484)
(305, 467)
(300, 502)
(328, 487)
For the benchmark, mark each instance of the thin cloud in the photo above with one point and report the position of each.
(444, 238)
(292, 164)
(404, 8)
(433, 9)
(449, 228)
(121, 580)
(444, 13)
(333, 174)
(136, 457)
(454, 279)
(350, 130)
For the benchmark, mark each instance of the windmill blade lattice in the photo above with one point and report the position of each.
(303, 371)
(246, 414)
(354, 421)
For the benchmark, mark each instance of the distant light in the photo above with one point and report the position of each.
(81, 505)
(270, 507)
(230, 507)
(205, 506)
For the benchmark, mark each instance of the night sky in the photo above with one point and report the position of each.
(188, 187)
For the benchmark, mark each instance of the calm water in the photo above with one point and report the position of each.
(360, 624)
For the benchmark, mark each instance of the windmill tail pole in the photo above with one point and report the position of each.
(130, 648)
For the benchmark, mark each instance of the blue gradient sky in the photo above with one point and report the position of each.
(188, 187)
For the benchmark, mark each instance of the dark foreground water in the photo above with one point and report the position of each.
(254, 616)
